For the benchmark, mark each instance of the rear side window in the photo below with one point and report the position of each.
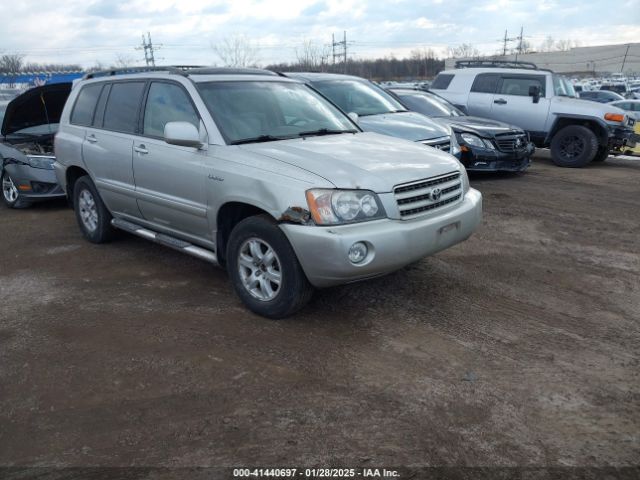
(121, 112)
(85, 106)
(167, 102)
(520, 85)
(442, 81)
(485, 83)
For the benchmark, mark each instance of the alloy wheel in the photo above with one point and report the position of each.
(9, 189)
(260, 269)
(572, 146)
(88, 210)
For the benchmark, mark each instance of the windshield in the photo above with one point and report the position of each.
(562, 87)
(429, 105)
(359, 97)
(255, 111)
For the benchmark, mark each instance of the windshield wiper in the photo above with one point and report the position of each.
(325, 131)
(259, 139)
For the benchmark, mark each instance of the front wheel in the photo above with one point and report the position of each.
(601, 155)
(574, 146)
(91, 213)
(10, 193)
(264, 269)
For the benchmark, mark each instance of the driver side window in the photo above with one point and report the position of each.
(166, 103)
(520, 85)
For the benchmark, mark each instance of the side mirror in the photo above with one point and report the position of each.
(354, 117)
(534, 91)
(184, 134)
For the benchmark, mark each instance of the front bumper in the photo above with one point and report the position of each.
(34, 183)
(323, 251)
(478, 159)
(622, 138)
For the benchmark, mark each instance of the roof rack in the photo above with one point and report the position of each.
(183, 70)
(176, 69)
(496, 64)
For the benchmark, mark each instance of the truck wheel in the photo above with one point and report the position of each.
(264, 269)
(574, 146)
(11, 194)
(601, 155)
(92, 215)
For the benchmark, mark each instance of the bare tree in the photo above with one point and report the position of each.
(564, 45)
(237, 51)
(311, 56)
(548, 44)
(465, 50)
(525, 47)
(122, 60)
(11, 66)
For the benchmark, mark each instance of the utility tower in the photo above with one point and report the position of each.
(505, 41)
(148, 47)
(341, 46)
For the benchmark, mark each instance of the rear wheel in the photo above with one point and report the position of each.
(264, 269)
(10, 193)
(92, 215)
(574, 146)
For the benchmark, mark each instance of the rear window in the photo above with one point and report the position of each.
(485, 83)
(85, 105)
(121, 112)
(442, 81)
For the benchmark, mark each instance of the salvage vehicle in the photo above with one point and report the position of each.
(375, 110)
(486, 145)
(601, 96)
(540, 102)
(632, 107)
(259, 174)
(26, 149)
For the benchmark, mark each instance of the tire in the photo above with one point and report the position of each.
(252, 241)
(574, 146)
(11, 194)
(601, 155)
(92, 215)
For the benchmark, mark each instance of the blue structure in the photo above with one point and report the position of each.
(38, 78)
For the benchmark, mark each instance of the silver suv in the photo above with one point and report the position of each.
(257, 173)
(540, 102)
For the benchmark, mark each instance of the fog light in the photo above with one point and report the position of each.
(358, 252)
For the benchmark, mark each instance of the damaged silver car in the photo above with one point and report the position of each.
(26, 149)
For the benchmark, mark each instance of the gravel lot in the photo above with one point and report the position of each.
(519, 347)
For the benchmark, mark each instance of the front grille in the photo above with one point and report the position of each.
(441, 143)
(508, 142)
(425, 195)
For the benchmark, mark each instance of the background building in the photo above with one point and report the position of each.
(599, 60)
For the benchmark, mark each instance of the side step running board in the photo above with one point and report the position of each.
(165, 240)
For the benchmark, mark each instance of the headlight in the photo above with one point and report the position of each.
(41, 162)
(455, 146)
(335, 207)
(488, 144)
(472, 140)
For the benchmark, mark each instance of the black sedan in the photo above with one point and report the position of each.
(487, 145)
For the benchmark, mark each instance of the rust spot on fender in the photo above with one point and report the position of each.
(296, 215)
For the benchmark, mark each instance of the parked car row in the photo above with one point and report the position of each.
(290, 181)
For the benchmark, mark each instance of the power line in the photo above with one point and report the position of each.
(148, 47)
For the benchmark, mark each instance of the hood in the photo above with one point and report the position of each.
(483, 127)
(583, 106)
(363, 160)
(408, 125)
(34, 107)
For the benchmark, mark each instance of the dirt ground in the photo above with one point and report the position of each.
(520, 347)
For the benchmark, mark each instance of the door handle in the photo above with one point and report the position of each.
(141, 149)
(500, 101)
(92, 139)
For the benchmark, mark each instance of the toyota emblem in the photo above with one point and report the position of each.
(436, 193)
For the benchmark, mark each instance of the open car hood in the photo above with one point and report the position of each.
(34, 107)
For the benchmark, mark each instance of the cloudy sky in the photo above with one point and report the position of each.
(86, 31)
